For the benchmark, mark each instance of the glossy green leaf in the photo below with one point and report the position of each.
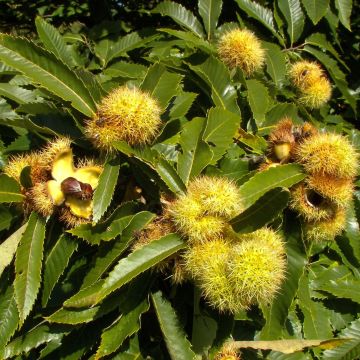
(316, 9)
(217, 77)
(9, 318)
(262, 212)
(28, 264)
(350, 350)
(8, 247)
(126, 70)
(262, 182)
(294, 16)
(9, 190)
(177, 344)
(127, 325)
(103, 194)
(344, 8)
(220, 130)
(209, 11)
(17, 93)
(181, 16)
(161, 84)
(41, 67)
(275, 62)
(182, 104)
(196, 153)
(56, 262)
(127, 269)
(258, 98)
(6, 218)
(53, 41)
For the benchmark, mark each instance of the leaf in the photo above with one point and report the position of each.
(275, 62)
(217, 77)
(344, 8)
(258, 98)
(294, 16)
(352, 230)
(106, 50)
(349, 350)
(289, 346)
(262, 182)
(276, 313)
(181, 16)
(182, 104)
(176, 342)
(28, 263)
(196, 153)
(209, 11)
(53, 41)
(316, 9)
(127, 325)
(9, 317)
(55, 264)
(126, 70)
(103, 194)
(161, 84)
(9, 190)
(260, 13)
(316, 323)
(41, 67)
(17, 93)
(6, 218)
(127, 269)
(8, 247)
(262, 212)
(221, 126)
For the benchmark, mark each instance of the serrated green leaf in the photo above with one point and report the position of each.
(28, 264)
(176, 342)
(127, 325)
(6, 218)
(316, 9)
(17, 93)
(9, 318)
(127, 269)
(352, 231)
(182, 104)
(161, 84)
(262, 182)
(42, 67)
(294, 16)
(275, 62)
(9, 190)
(316, 324)
(221, 126)
(53, 41)
(266, 209)
(217, 77)
(260, 13)
(8, 247)
(55, 264)
(209, 11)
(344, 8)
(126, 70)
(103, 194)
(258, 98)
(196, 153)
(350, 350)
(181, 16)
(276, 313)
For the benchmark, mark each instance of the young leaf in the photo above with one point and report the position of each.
(53, 41)
(8, 247)
(9, 190)
(316, 9)
(196, 153)
(275, 62)
(42, 67)
(344, 8)
(258, 100)
(209, 11)
(127, 325)
(181, 16)
(176, 342)
(55, 264)
(28, 263)
(262, 182)
(103, 194)
(294, 16)
(266, 209)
